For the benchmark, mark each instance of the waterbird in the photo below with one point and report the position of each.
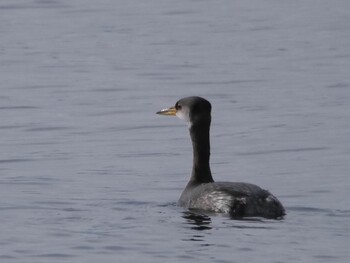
(202, 193)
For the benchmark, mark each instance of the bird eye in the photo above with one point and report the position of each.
(178, 107)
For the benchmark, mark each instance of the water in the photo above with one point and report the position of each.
(89, 172)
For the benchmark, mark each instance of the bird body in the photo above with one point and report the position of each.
(234, 198)
(202, 193)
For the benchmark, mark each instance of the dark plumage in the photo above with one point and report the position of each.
(201, 192)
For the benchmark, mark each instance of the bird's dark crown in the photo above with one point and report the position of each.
(199, 109)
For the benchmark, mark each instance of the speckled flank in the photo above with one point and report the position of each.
(216, 201)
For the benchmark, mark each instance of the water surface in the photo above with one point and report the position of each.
(89, 172)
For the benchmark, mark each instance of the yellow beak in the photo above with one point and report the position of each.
(168, 112)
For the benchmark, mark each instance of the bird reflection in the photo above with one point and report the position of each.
(197, 220)
(199, 223)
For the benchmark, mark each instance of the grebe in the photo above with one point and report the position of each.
(202, 193)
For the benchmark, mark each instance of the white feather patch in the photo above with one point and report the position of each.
(216, 201)
(184, 114)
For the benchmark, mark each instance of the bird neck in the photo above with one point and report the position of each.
(201, 153)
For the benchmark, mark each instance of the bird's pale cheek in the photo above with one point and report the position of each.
(183, 115)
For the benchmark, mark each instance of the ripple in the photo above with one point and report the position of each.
(7, 257)
(309, 209)
(18, 107)
(339, 213)
(16, 160)
(10, 127)
(291, 150)
(55, 255)
(108, 90)
(339, 85)
(116, 248)
(223, 82)
(57, 128)
(83, 248)
(28, 181)
(197, 221)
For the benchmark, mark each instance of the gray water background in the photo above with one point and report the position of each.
(89, 172)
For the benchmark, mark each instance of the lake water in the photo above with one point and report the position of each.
(89, 172)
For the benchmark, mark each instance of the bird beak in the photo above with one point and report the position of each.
(168, 112)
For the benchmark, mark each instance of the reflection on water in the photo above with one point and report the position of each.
(197, 220)
(200, 220)
(199, 223)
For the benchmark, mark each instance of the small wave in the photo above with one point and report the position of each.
(325, 211)
(18, 107)
(291, 150)
(339, 213)
(55, 255)
(308, 209)
(16, 160)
